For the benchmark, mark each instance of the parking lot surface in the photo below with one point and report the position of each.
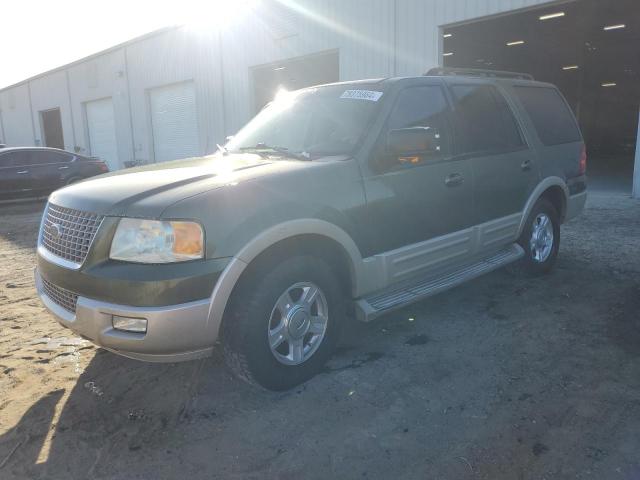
(505, 377)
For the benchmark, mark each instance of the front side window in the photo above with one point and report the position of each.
(312, 123)
(19, 158)
(416, 107)
(422, 107)
(483, 120)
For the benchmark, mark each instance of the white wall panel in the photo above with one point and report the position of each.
(171, 57)
(99, 78)
(361, 30)
(51, 91)
(418, 22)
(16, 116)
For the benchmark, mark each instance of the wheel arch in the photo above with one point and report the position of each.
(302, 235)
(555, 190)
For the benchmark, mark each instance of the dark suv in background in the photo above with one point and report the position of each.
(33, 172)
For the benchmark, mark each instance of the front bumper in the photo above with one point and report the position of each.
(174, 332)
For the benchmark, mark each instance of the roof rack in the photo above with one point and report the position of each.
(476, 72)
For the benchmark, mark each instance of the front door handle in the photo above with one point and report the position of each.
(22, 172)
(64, 167)
(453, 180)
(526, 165)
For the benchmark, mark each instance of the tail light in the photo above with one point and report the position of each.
(103, 167)
(583, 160)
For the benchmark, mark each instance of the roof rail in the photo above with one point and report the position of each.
(476, 72)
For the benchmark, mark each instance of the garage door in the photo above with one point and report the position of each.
(102, 132)
(174, 122)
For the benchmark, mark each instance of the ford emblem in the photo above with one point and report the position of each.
(55, 230)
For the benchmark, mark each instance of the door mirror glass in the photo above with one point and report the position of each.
(414, 140)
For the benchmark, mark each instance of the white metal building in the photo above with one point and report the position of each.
(177, 92)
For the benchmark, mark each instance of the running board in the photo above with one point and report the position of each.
(397, 296)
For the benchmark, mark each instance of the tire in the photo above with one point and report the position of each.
(541, 251)
(73, 180)
(258, 312)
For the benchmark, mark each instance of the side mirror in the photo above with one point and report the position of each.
(414, 140)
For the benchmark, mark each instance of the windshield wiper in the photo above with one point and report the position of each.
(263, 148)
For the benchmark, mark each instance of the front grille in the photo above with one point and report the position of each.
(68, 233)
(62, 297)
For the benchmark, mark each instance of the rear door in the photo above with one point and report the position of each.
(504, 167)
(48, 169)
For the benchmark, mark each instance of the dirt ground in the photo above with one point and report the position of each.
(503, 378)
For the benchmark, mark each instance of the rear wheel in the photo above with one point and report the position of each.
(283, 322)
(540, 238)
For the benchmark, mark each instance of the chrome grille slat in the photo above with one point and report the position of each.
(78, 229)
(62, 297)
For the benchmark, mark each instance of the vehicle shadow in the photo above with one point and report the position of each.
(125, 418)
(117, 407)
(22, 444)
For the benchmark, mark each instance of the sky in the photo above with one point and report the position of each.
(39, 35)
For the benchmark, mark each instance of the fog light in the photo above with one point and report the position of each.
(128, 324)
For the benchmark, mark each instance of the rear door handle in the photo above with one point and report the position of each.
(22, 172)
(526, 165)
(453, 180)
(64, 167)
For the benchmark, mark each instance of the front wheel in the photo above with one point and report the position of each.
(284, 322)
(540, 238)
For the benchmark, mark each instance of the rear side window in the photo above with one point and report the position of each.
(550, 115)
(483, 120)
(48, 156)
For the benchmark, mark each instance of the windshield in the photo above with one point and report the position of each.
(311, 123)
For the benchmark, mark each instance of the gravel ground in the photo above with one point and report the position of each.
(502, 378)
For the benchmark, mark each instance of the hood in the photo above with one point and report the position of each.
(147, 191)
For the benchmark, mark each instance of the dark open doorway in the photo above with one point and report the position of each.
(52, 128)
(588, 48)
(293, 74)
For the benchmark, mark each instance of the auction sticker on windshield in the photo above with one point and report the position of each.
(370, 95)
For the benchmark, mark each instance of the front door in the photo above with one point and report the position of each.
(414, 199)
(15, 174)
(49, 169)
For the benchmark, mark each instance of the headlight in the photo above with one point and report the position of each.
(153, 241)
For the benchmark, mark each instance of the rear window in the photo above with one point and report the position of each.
(484, 122)
(550, 115)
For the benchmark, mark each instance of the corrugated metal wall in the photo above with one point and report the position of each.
(374, 38)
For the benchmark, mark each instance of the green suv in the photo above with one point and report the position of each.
(349, 199)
